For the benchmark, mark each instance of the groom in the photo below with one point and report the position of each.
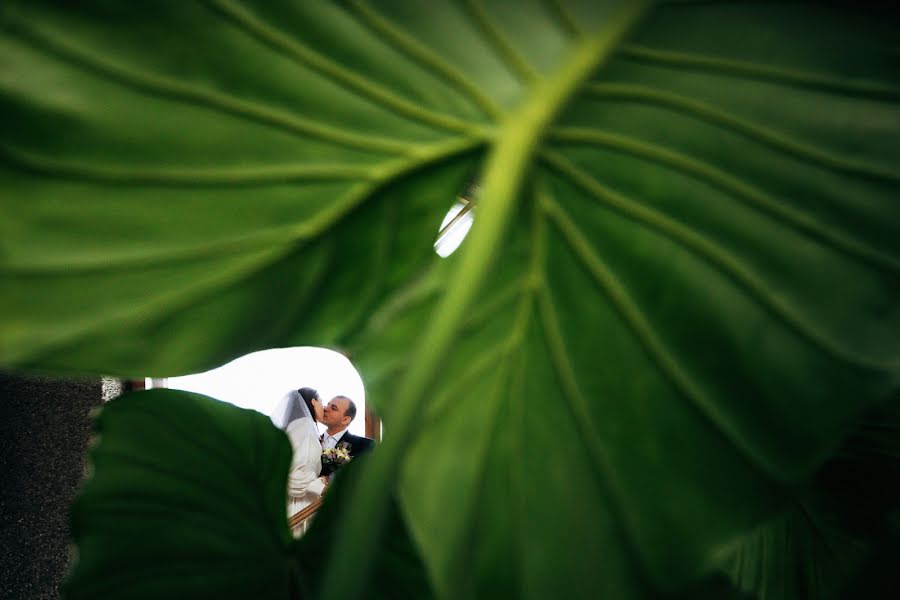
(337, 416)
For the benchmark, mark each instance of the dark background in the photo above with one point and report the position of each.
(44, 430)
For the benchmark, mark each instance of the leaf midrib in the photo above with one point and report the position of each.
(504, 175)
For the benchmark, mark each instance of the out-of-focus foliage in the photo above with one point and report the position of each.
(186, 501)
(676, 302)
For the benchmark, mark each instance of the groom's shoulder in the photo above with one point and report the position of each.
(361, 441)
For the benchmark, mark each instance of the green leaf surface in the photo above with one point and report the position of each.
(198, 210)
(398, 570)
(678, 297)
(186, 500)
(661, 351)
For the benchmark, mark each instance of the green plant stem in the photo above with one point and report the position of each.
(505, 172)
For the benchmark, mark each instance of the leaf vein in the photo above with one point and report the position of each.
(183, 177)
(491, 32)
(364, 87)
(291, 232)
(419, 53)
(489, 359)
(735, 187)
(485, 312)
(656, 350)
(225, 103)
(563, 17)
(587, 432)
(262, 244)
(167, 303)
(472, 500)
(750, 70)
(763, 135)
(718, 257)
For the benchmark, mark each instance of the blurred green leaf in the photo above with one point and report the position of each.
(200, 184)
(678, 297)
(837, 539)
(398, 570)
(661, 352)
(186, 500)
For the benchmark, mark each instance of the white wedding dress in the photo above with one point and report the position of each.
(292, 415)
(304, 485)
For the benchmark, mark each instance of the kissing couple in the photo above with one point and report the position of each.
(316, 457)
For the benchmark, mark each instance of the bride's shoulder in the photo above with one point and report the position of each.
(299, 428)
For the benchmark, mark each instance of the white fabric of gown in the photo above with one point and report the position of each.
(304, 485)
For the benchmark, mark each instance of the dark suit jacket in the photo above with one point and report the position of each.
(358, 445)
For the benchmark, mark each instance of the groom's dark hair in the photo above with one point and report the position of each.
(351, 408)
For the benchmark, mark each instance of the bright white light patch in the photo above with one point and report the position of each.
(259, 380)
(453, 237)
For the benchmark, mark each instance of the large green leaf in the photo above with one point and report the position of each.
(663, 348)
(186, 500)
(199, 202)
(398, 571)
(677, 299)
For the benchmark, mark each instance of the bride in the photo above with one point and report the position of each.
(297, 414)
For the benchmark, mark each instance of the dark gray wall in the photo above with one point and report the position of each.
(44, 431)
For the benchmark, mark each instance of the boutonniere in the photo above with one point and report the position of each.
(337, 456)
